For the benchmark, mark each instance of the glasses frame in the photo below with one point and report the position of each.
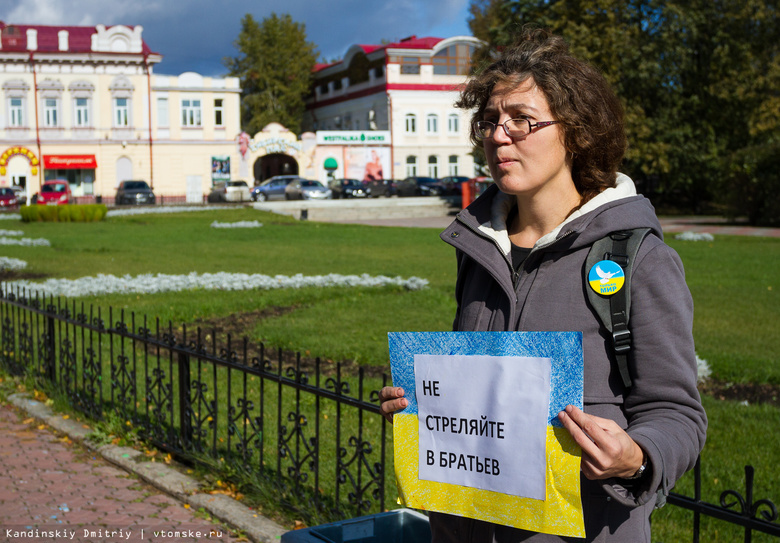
(531, 126)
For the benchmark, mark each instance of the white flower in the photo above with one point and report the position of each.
(695, 236)
(11, 233)
(154, 283)
(238, 224)
(27, 242)
(703, 369)
(160, 209)
(11, 264)
(10, 217)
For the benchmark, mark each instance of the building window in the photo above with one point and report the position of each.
(432, 123)
(433, 166)
(411, 123)
(453, 60)
(219, 119)
(453, 123)
(81, 112)
(453, 165)
(411, 166)
(409, 65)
(190, 113)
(16, 112)
(50, 107)
(121, 112)
(163, 120)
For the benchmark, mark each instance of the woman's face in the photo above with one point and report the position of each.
(535, 162)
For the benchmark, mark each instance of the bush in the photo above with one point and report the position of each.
(65, 213)
(752, 186)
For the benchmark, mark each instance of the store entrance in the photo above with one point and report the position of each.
(268, 166)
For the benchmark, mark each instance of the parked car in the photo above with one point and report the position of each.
(134, 192)
(381, 187)
(452, 185)
(21, 194)
(229, 191)
(272, 189)
(8, 198)
(348, 188)
(419, 186)
(307, 189)
(55, 192)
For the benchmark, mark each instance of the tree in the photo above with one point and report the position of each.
(274, 66)
(698, 79)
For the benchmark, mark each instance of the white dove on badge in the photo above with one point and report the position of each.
(605, 276)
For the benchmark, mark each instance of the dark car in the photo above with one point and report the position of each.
(419, 186)
(8, 198)
(452, 185)
(348, 188)
(381, 187)
(272, 189)
(134, 192)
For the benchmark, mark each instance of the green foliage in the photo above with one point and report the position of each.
(274, 65)
(698, 80)
(752, 188)
(66, 213)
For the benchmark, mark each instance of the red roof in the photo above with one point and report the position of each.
(412, 42)
(14, 38)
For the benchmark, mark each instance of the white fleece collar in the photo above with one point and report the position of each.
(503, 203)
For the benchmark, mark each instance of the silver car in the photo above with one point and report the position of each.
(307, 189)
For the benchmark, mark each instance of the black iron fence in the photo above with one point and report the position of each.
(292, 422)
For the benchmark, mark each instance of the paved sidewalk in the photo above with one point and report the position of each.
(53, 488)
(670, 225)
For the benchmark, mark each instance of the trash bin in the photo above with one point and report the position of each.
(399, 526)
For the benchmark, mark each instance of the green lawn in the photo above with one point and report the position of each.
(734, 281)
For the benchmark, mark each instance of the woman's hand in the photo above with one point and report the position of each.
(607, 450)
(391, 399)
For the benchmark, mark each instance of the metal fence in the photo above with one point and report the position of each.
(293, 424)
(290, 422)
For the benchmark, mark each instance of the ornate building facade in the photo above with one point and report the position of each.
(83, 104)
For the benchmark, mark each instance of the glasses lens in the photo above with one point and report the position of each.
(516, 128)
(483, 129)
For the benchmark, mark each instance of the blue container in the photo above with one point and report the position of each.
(399, 526)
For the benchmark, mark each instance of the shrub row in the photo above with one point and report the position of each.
(64, 213)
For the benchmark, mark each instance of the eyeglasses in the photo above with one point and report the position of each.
(514, 128)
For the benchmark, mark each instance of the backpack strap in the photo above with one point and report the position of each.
(621, 247)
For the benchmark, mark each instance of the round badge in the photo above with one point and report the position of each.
(606, 277)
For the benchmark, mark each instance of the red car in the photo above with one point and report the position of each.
(55, 192)
(8, 198)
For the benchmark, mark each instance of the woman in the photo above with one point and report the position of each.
(552, 132)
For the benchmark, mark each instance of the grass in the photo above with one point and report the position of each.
(734, 282)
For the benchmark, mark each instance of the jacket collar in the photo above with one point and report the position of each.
(493, 224)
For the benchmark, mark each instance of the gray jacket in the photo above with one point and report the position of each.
(661, 411)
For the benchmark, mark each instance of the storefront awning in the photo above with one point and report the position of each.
(69, 162)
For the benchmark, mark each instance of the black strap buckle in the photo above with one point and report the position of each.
(621, 341)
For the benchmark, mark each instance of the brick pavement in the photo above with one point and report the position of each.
(53, 489)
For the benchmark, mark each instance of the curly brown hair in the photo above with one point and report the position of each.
(578, 95)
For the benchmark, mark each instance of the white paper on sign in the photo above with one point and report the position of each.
(483, 421)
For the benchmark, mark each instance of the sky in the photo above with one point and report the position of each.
(195, 35)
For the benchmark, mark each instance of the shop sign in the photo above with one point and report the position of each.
(353, 137)
(69, 162)
(276, 145)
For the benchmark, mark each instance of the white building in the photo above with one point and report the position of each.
(83, 104)
(405, 90)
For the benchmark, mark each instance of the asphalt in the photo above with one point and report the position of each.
(55, 485)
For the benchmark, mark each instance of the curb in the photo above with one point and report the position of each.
(161, 476)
